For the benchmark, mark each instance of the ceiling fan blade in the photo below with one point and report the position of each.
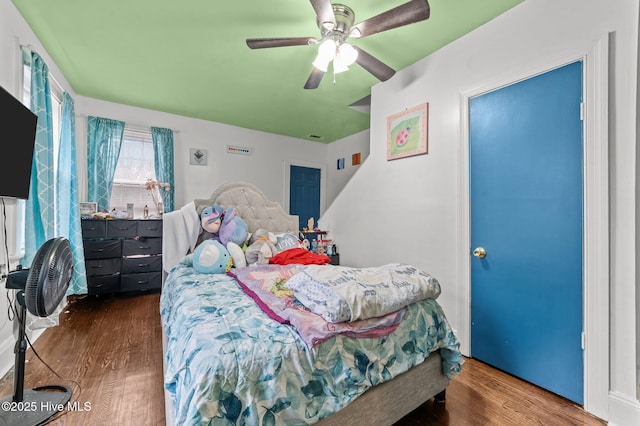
(379, 69)
(324, 11)
(261, 43)
(405, 14)
(314, 79)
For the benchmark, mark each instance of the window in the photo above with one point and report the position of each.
(135, 167)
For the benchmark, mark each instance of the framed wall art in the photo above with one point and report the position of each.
(197, 157)
(407, 132)
(88, 208)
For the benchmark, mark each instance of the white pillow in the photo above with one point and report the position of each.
(239, 259)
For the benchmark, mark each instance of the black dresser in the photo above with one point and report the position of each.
(122, 255)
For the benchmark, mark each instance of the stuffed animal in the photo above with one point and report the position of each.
(262, 247)
(224, 225)
(210, 257)
(233, 228)
(211, 219)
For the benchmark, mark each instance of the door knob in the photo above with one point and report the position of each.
(480, 252)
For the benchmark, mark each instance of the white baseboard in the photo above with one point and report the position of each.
(7, 355)
(622, 410)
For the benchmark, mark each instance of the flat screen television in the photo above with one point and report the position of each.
(18, 135)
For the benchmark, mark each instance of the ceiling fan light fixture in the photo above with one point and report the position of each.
(326, 53)
(346, 55)
(320, 64)
(339, 67)
(327, 50)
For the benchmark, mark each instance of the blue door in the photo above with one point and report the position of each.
(526, 187)
(304, 194)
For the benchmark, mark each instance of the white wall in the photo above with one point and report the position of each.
(408, 210)
(345, 148)
(265, 167)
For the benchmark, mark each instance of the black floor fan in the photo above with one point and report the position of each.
(40, 289)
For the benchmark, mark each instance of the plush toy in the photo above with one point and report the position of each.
(262, 247)
(233, 228)
(224, 225)
(210, 257)
(211, 219)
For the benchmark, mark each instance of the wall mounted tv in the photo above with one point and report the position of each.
(18, 135)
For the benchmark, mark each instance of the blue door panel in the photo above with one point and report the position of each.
(304, 194)
(526, 185)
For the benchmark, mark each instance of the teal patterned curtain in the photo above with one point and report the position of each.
(40, 210)
(104, 138)
(67, 198)
(163, 160)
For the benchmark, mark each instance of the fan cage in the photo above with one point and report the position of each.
(49, 277)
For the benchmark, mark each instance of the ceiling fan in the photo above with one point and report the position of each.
(335, 22)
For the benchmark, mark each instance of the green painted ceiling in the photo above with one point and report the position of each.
(190, 58)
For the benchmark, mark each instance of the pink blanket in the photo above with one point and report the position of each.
(265, 284)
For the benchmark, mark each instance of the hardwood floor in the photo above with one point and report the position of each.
(112, 347)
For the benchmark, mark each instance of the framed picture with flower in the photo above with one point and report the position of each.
(88, 208)
(408, 132)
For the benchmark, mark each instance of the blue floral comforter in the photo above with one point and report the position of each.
(228, 363)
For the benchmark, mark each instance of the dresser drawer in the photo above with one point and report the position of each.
(142, 246)
(150, 228)
(138, 282)
(103, 267)
(103, 249)
(93, 228)
(103, 284)
(122, 228)
(137, 264)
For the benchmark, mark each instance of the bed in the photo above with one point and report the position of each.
(229, 360)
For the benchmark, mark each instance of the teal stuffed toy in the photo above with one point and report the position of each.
(211, 257)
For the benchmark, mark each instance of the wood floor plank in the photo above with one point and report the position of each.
(111, 345)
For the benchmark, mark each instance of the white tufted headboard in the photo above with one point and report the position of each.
(182, 229)
(252, 206)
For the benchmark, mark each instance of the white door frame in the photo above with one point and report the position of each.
(596, 221)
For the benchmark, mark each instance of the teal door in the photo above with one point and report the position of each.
(304, 194)
(526, 184)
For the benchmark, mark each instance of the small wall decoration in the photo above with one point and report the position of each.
(244, 150)
(198, 157)
(407, 132)
(340, 164)
(356, 159)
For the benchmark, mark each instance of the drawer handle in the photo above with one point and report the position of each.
(97, 267)
(99, 250)
(152, 229)
(143, 282)
(145, 247)
(122, 229)
(143, 265)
